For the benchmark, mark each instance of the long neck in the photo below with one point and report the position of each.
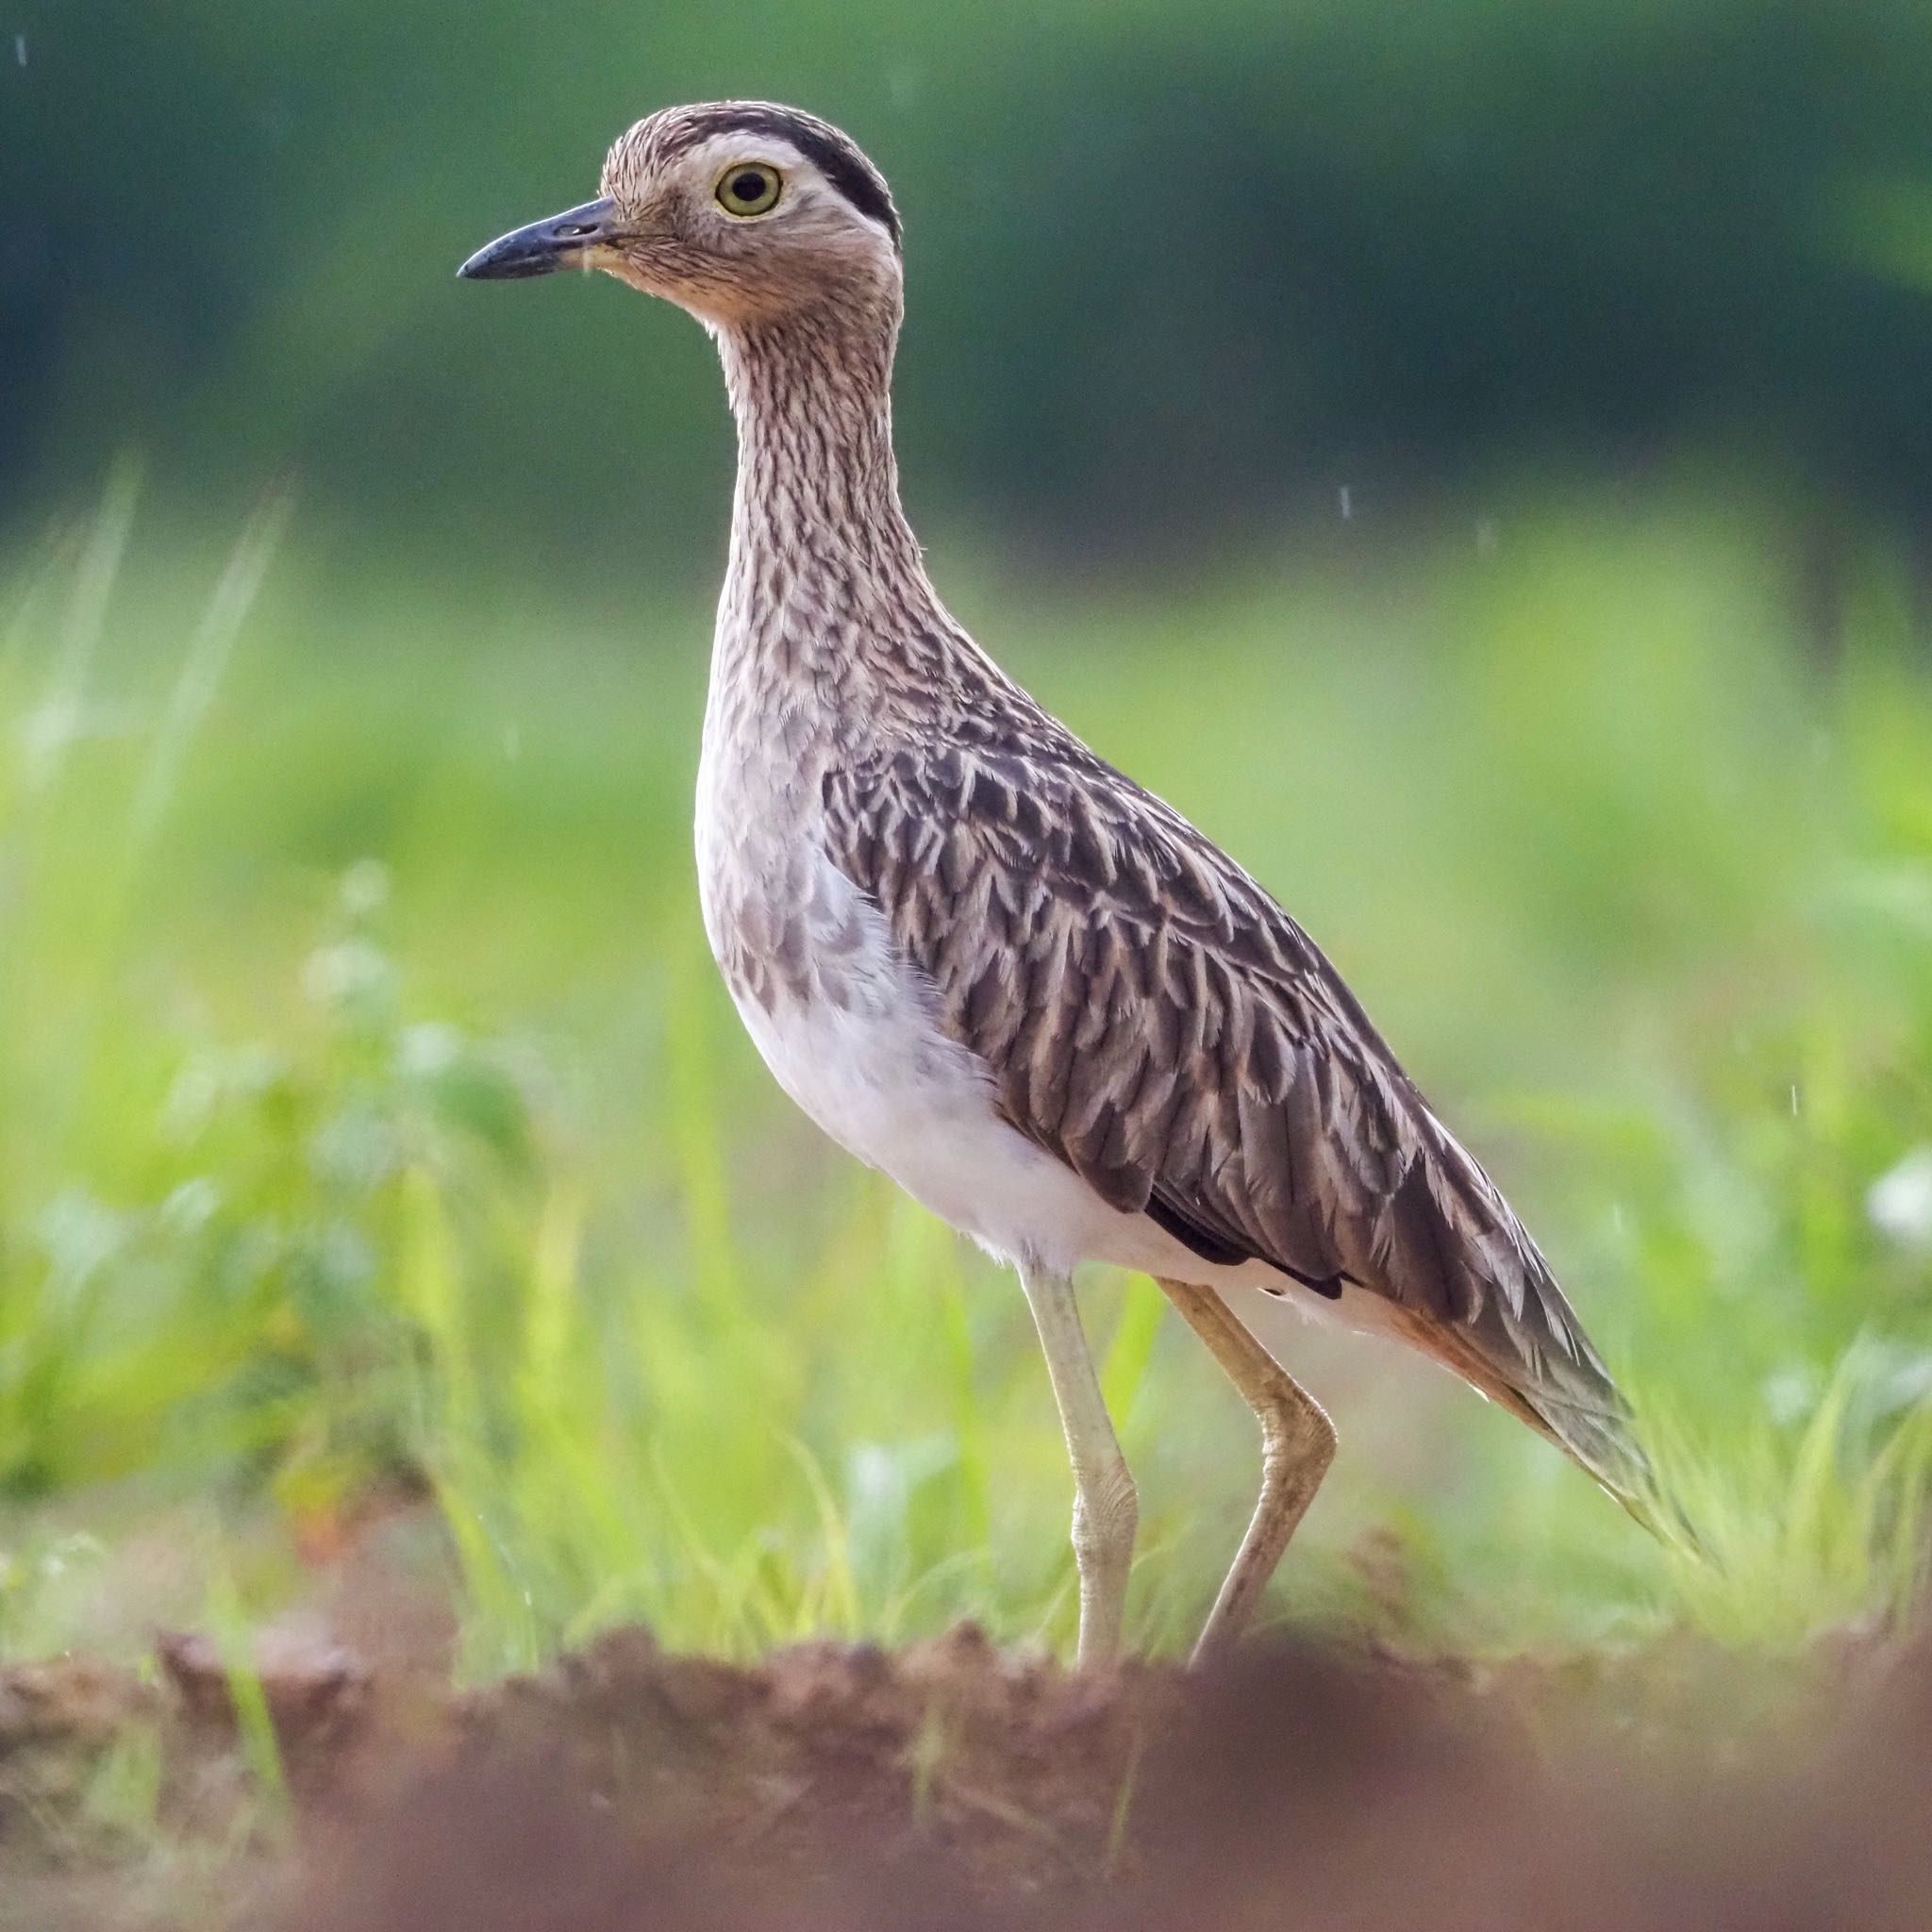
(823, 561)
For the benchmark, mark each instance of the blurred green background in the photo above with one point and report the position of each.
(1472, 459)
(1174, 272)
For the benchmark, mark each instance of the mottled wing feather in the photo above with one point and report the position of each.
(1155, 1020)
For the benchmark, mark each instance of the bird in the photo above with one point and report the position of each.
(987, 962)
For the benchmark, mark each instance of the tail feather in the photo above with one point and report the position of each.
(1582, 1413)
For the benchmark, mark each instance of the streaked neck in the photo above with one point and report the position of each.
(828, 620)
(817, 501)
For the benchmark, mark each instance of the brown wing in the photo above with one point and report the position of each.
(1153, 1017)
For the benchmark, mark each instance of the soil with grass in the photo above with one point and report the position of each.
(952, 1784)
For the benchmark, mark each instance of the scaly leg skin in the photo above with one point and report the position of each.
(1297, 1446)
(1106, 1507)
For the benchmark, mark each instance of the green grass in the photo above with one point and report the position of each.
(369, 1111)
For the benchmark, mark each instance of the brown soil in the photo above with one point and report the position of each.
(954, 1786)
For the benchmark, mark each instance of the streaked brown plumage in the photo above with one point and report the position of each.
(1155, 1020)
(981, 957)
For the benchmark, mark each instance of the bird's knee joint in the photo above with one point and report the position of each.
(1295, 1436)
(1107, 1512)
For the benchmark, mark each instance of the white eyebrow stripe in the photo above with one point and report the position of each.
(720, 151)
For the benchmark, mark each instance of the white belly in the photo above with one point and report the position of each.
(869, 1064)
(877, 1074)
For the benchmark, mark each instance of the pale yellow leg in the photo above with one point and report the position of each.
(1105, 1506)
(1297, 1446)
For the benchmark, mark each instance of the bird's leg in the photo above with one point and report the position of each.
(1297, 1446)
(1106, 1507)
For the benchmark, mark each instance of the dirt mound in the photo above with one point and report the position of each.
(954, 1786)
(1007, 1771)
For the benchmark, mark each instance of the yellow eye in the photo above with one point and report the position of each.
(749, 188)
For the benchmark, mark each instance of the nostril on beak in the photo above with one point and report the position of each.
(559, 242)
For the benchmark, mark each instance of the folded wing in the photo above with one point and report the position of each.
(1154, 1019)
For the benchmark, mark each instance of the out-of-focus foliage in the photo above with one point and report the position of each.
(373, 1117)
(1169, 267)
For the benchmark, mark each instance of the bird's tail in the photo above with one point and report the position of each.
(1582, 1412)
(1604, 1442)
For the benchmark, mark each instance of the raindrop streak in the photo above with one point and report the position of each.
(1794, 1100)
(20, 50)
(1347, 507)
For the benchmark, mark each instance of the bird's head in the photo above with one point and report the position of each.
(740, 211)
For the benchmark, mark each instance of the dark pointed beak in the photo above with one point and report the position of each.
(565, 240)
